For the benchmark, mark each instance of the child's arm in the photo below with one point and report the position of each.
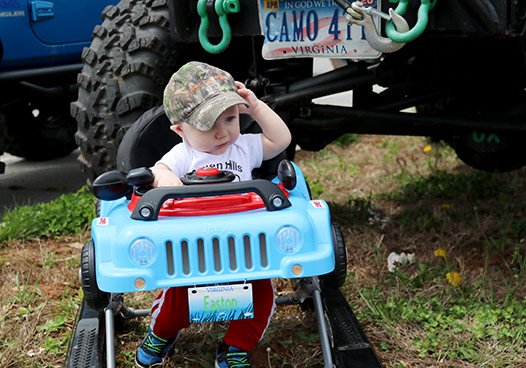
(164, 177)
(276, 135)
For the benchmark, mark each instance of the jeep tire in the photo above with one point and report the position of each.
(38, 131)
(125, 70)
(485, 150)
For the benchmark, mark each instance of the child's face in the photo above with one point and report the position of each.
(216, 141)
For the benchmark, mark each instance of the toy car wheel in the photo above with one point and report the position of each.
(94, 297)
(336, 278)
(97, 207)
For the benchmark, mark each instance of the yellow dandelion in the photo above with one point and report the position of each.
(440, 253)
(427, 148)
(454, 278)
(446, 206)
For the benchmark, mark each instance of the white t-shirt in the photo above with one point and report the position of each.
(240, 158)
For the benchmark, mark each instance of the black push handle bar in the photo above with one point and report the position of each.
(148, 207)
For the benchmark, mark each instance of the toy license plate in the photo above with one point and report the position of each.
(220, 303)
(312, 28)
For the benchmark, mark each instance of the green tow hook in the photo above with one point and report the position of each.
(419, 27)
(222, 8)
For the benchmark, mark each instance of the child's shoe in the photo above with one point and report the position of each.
(152, 351)
(231, 357)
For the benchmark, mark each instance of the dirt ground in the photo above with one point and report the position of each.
(40, 284)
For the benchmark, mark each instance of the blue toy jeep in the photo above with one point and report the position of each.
(213, 232)
(238, 231)
(209, 235)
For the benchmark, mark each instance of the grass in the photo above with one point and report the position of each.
(419, 199)
(447, 322)
(68, 214)
(460, 303)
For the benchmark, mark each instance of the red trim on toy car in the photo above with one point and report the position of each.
(207, 171)
(215, 205)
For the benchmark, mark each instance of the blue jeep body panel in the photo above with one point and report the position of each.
(196, 250)
(35, 33)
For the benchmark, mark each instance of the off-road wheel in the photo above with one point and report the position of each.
(485, 150)
(490, 151)
(336, 278)
(94, 297)
(38, 131)
(125, 71)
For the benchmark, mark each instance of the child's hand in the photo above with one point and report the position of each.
(275, 133)
(249, 97)
(164, 177)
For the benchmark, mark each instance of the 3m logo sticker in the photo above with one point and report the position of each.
(318, 204)
(103, 221)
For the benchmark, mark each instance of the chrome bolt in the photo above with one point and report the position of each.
(145, 212)
(277, 202)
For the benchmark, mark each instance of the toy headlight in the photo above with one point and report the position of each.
(288, 240)
(143, 252)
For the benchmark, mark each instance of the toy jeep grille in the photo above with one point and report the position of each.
(206, 256)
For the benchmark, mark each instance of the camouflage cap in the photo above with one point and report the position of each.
(198, 93)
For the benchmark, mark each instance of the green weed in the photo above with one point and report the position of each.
(315, 187)
(56, 346)
(392, 147)
(437, 153)
(25, 294)
(70, 300)
(128, 358)
(49, 259)
(346, 139)
(53, 325)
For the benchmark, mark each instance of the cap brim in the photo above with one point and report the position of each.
(205, 115)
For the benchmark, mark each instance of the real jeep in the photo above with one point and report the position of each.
(464, 73)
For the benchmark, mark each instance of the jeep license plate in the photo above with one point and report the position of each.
(312, 28)
(220, 303)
